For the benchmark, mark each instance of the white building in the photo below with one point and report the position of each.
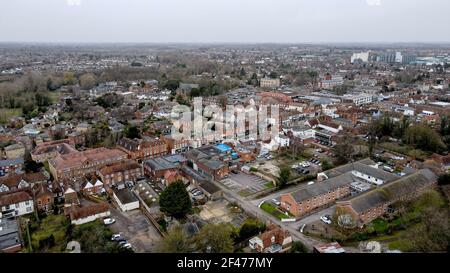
(302, 132)
(282, 141)
(359, 99)
(16, 204)
(125, 199)
(363, 56)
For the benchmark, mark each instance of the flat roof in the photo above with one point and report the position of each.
(125, 196)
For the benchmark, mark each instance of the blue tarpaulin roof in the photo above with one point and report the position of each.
(223, 147)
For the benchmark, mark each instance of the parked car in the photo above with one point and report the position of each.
(127, 245)
(310, 183)
(276, 202)
(198, 193)
(326, 219)
(117, 237)
(109, 221)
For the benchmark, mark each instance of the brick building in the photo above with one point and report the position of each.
(141, 149)
(372, 204)
(121, 172)
(75, 165)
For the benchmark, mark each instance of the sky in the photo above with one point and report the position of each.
(230, 21)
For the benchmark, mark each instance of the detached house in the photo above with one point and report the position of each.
(273, 240)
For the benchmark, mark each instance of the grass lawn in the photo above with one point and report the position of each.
(54, 96)
(403, 149)
(273, 210)
(244, 193)
(269, 185)
(55, 225)
(6, 114)
(380, 225)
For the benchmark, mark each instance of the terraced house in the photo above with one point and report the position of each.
(78, 164)
(141, 149)
(120, 172)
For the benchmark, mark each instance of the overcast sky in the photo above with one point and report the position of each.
(279, 21)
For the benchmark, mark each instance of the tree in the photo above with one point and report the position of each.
(172, 85)
(175, 201)
(250, 228)
(432, 234)
(87, 81)
(298, 247)
(176, 241)
(222, 100)
(424, 138)
(215, 238)
(69, 78)
(110, 100)
(131, 132)
(444, 179)
(326, 165)
(284, 177)
(344, 150)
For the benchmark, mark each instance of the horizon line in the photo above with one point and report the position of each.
(232, 43)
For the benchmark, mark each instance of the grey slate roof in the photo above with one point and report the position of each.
(392, 191)
(362, 166)
(159, 163)
(9, 233)
(9, 162)
(323, 187)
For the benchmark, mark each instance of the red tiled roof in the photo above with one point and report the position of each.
(83, 212)
(119, 167)
(10, 198)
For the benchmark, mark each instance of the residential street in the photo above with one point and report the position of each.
(253, 209)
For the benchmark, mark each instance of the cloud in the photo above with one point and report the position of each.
(373, 2)
(73, 2)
